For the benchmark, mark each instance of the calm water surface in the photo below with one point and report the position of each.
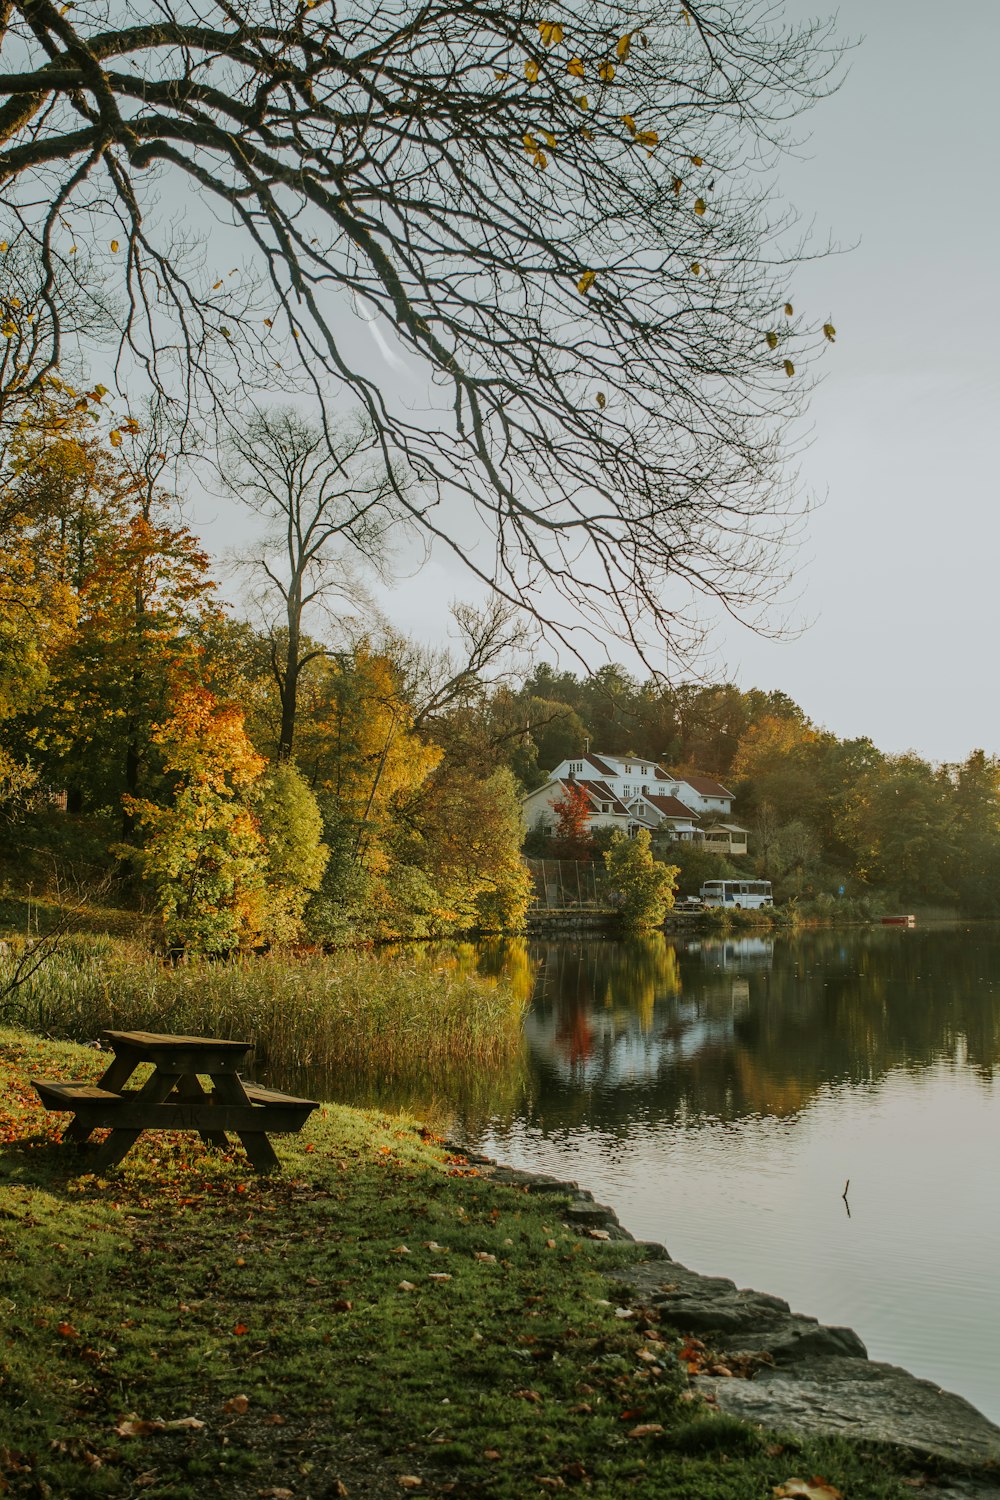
(719, 1095)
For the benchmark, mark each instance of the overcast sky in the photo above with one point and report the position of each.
(899, 573)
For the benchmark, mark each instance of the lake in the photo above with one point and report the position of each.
(720, 1094)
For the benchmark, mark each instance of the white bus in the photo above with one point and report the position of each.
(742, 895)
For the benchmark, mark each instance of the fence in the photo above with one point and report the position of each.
(568, 884)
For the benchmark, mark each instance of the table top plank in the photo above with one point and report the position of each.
(167, 1041)
(182, 1054)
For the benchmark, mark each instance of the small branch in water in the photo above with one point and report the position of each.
(844, 1196)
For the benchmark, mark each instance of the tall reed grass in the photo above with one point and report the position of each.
(387, 1021)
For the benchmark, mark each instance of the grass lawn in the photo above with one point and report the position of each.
(379, 1320)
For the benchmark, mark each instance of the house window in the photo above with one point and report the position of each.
(576, 766)
(605, 807)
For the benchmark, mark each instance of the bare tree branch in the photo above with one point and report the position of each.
(559, 216)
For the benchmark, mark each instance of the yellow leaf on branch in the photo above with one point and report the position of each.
(647, 137)
(772, 340)
(830, 331)
(586, 282)
(606, 72)
(789, 368)
(789, 309)
(551, 33)
(531, 71)
(624, 46)
(575, 66)
(581, 101)
(696, 267)
(114, 247)
(602, 400)
(115, 438)
(699, 206)
(697, 161)
(629, 124)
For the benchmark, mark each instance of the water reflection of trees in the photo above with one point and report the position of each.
(655, 1030)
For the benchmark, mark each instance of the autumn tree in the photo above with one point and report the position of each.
(464, 833)
(326, 503)
(203, 853)
(557, 221)
(571, 836)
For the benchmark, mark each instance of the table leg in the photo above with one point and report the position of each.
(230, 1090)
(189, 1088)
(120, 1141)
(114, 1078)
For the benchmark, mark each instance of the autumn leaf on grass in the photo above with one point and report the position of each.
(133, 1426)
(67, 1331)
(799, 1489)
(646, 1429)
(237, 1405)
(240, 1329)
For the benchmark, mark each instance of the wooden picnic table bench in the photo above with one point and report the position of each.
(174, 1098)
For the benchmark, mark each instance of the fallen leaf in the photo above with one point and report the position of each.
(237, 1404)
(407, 1286)
(240, 1329)
(67, 1331)
(137, 1427)
(527, 1395)
(276, 1493)
(409, 1481)
(484, 1255)
(491, 1453)
(646, 1429)
(438, 1276)
(799, 1489)
(184, 1424)
(343, 1304)
(599, 1234)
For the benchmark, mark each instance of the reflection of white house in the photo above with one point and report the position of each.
(628, 792)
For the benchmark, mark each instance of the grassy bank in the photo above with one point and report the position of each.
(352, 1014)
(376, 1320)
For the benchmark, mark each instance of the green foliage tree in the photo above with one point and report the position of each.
(645, 887)
(203, 854)
(291, 826)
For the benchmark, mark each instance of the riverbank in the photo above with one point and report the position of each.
(386, 1316)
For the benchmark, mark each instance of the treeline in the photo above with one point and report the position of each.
(301, 771)
(823, 812)
(252, 781)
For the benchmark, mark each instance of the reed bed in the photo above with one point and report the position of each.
(395, 1020)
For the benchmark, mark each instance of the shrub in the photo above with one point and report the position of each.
(645, 887)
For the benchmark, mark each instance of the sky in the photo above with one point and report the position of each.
(898, 574)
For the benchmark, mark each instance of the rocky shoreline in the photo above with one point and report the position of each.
(785, 1370)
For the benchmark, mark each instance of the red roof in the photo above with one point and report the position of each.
(670, 807)
(600, 792)
(706, 786)
(602, 765)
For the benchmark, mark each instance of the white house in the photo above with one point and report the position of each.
(629, 792)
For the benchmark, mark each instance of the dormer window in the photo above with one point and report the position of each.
(576, 766)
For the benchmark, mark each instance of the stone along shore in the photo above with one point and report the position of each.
(786, 1371)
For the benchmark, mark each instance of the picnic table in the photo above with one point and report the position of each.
(174, 1098)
